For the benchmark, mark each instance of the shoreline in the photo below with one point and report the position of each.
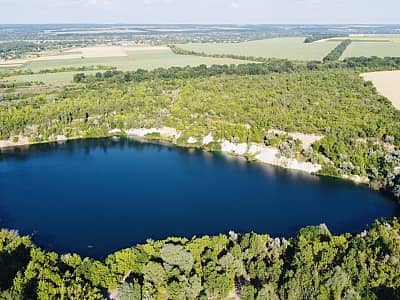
(169, 136)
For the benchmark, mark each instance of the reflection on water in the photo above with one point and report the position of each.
(96, 196)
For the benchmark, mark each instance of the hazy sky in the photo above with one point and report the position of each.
(200, 11)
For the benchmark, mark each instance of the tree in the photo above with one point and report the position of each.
(79, 77)
(129, 291)
(176, 255)
(155, 273)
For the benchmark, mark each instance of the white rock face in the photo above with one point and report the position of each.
(265, 154)
(163, 131)
(261, 153)
(116, 130)
(237, 149)
(303, 166)
(357, 179)
(61, 138)
(272, 156)
(22, 140)
(208, 139)
(192, 140)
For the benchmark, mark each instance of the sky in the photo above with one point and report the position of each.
(200, 11)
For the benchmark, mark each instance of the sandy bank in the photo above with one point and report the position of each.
(208, 139)
(268, 155)
(166, 132)
(272, 156)
(22, 141)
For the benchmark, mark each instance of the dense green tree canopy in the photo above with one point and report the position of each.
(313, 265)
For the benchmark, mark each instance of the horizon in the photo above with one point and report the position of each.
(213, 149)
(195, 12)
(215, 24)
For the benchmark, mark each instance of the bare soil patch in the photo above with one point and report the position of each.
(86, 52)
(387, 83)
(306, 139)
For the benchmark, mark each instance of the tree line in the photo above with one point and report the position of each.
(317, 37)
(268, 66)
(337, 52)
(11, 73)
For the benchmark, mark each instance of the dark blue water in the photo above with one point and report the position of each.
(97, 196)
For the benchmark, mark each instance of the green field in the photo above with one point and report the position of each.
(144, 59)
(48, 78)
(380, 49)
(370, 38)
(292, 48)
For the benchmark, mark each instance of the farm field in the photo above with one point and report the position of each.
(387, 83)
(368, 49)
(370, 38)
(80, 53)
(147, 58)
(47, 78)
(292, 48)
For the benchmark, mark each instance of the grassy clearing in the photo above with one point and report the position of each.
(6, 67)
(368, 49)
(387, 84)
(144, 59)
(289, 48)
(48, 78)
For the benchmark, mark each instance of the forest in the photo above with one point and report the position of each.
(235, 103)
(241, 104)
(315, 264)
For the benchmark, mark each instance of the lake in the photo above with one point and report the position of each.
(94, 197)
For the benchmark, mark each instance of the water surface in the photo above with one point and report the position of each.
(94, 197)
